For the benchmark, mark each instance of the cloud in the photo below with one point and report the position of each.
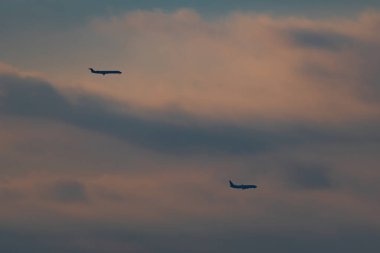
(68, 192)
(117, 210)
(310, 177)
(141, 162)
(116, 240)
(244, 67)
(320, 39)
(31, 97)
(35, 99)
(7, 194)
(40, 100)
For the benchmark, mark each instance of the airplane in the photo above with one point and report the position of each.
(242, 186)
(104, 72)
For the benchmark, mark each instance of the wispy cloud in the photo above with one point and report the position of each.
(245, 66)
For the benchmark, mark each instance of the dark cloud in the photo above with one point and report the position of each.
(31, 98)
(37, 99)
(301, 224)
(320, 39)
(15, 14)
(9, 194)
(318, 71)
(115, 240)
(365, 72)
(309, 177)
(68, 192)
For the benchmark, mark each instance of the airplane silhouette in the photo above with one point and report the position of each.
(242, 186)
(105, 72)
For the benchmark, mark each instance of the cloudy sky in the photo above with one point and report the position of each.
(281, 94)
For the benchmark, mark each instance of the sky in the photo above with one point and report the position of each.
(281, 94)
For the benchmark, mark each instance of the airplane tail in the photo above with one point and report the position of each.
(92, 70)
(231, 184)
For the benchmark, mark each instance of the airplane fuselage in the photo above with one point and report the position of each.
(242, 186)
(104, 72)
